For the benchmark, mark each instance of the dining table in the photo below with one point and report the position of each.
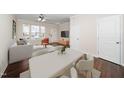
(53, 64)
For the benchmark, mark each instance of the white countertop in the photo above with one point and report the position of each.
(48, 65)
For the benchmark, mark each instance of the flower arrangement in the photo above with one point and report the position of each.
(63, 49)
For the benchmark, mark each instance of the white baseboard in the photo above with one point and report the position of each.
(95, 55)
(122, 64)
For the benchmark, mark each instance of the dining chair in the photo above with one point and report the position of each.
(73, 73)
(85, 66)
(96, 73)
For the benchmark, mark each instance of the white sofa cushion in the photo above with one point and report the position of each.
(20, 52)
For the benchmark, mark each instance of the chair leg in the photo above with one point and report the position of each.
(91, 75)
(88, 74)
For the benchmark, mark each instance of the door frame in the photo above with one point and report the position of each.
(121, 38)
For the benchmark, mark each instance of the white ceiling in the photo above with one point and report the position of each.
(51, 18)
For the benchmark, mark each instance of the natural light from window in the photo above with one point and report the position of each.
(26, 31)
(33, 31)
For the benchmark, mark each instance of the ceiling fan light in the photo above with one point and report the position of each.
(44, 20)
(39, 19)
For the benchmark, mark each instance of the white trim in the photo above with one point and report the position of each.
(121, 41)
(122, 64)
(96, 56)
(97, 37)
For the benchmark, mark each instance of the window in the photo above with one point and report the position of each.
(42, 30)
(26, 31)
(35, 32)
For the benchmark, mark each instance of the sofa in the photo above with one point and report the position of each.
(22, 52)
(19, 52)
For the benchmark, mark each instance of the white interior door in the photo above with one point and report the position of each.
(109, 30)
(74, 37)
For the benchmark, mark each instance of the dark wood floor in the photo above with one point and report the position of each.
(14, 70)
(108, 69)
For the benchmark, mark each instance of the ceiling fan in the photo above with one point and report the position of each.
(41, 18)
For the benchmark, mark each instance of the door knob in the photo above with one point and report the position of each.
(117, 42)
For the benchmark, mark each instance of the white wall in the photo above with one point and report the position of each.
(52, 31)
(88, 31)
(5, 39)
(64, 26)
(50, 28)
